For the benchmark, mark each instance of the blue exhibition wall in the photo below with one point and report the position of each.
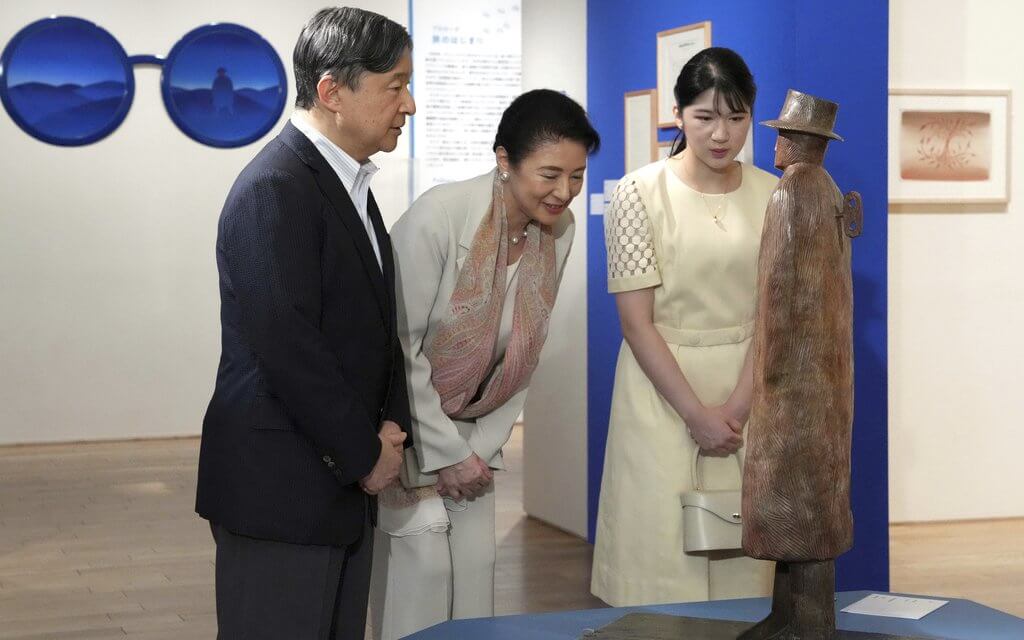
(835, 50)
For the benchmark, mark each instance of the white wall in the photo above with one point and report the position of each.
(555, 436)
(108, 285)
(956, 289)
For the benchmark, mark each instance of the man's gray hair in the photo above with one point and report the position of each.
(345, 43)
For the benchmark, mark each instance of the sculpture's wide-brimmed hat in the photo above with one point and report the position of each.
(807, 114)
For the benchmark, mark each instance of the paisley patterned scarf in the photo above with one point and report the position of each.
(469, 377)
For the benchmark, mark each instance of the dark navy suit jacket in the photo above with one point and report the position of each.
(310, 360)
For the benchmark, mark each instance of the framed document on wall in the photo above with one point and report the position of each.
(641, 133)
(675, 48)
(949, 146)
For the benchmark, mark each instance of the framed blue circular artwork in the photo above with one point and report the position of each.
(67, 81)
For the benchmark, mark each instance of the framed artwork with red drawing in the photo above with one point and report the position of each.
(949, 146)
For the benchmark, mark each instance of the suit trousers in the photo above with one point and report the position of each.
(269, 590)
(425, 579)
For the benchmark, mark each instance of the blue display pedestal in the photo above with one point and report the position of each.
(958, 620)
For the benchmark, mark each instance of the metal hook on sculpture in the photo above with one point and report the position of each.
(853, 214)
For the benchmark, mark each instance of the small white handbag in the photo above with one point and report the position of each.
(410, 475)
(711, 518)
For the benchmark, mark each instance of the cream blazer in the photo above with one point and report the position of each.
(431, 241)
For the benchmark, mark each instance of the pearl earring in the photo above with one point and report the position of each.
(503, 176)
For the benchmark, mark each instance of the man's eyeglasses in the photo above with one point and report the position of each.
(67, 81)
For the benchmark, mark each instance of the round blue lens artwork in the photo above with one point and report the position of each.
(224, 85)
(66, 81)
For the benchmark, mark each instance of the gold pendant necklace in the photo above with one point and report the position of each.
(718, 213)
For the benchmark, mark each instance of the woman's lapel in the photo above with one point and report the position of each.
(479, 192)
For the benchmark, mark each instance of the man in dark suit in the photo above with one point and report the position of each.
(309, 414)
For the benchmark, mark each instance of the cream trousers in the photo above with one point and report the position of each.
(422, 580)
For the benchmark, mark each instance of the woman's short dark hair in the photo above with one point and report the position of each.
(715, 68)
(345, 43)
(541, 116)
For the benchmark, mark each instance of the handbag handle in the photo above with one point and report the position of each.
(695, 472)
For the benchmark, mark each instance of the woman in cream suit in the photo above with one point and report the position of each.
(683, 236)
(478, 268)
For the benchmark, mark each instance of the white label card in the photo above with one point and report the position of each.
(609, 189)
(890, 606)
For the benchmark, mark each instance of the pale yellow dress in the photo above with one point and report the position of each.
(661, 233)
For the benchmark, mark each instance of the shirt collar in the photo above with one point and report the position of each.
(349, 170)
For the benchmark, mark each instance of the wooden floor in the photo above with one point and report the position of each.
(99, 541)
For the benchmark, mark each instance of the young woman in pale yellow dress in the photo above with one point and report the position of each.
(683, 236)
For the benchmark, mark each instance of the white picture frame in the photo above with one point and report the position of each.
(949, 146)
(746, 154)
(639, 114)
(675, 47)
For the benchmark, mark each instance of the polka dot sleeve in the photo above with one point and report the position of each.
(630, 243)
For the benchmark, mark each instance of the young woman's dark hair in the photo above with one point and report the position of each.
(541, 116)
(715, 68)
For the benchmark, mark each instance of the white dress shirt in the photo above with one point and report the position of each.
(354, 176)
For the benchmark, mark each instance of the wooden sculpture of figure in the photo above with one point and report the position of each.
(796, 485)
